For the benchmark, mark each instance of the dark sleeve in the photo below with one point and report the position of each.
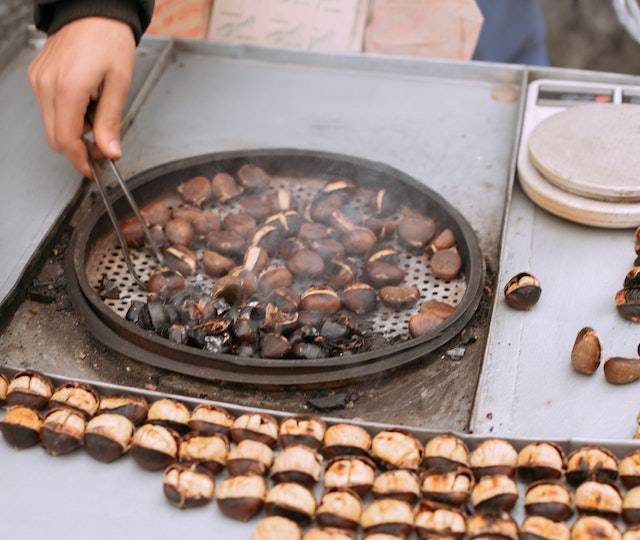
(51, 15)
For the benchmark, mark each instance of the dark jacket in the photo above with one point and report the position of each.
(51, 15)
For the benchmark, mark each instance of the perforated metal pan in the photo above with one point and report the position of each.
(94, 252)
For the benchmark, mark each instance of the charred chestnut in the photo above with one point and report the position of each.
(30, 389)
(227, 243)
(275, 277)
(154, 447)
(215, 264)
(494, 493)
(448, 487)
(585, 355)
(540, 460)
(381, 273)
(306, 430)
(164, 281)
(292, 501)
(169, 413)
(619, 370)
(186, 485)
(360, 298)
(399, 297)
(179, 232)
(240, 223)
(135, 408)
(549, 498)
(445, 453)
(633, 532)
(4, 388)
(208, 451)
(224, 187)
(256, 426)
(321, 299)
(541, 528)
(434, 520)
(77, 396)
(594, 528)
(446, 264)
(62, 431)
(277, 528)
(591, 462)
(492, 525)
(346, 440)
(340, 508)
(522, 291)
(274, 346)
(629, 470)
(351, 472)
(389, 516)
(396, 484)
(628, 304)
(631, 506)
(493, 456)
(252, 177)
(358, 241)
(196, 191)
(249, 457)
(299, 464)
(306, 263)
(416, 231)
(241, 497)
(107, 436)
(396, 449)
(21, 427)
(600, 499)
(255, 259)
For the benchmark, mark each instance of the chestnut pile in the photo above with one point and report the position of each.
(292, 278)
(387, 485)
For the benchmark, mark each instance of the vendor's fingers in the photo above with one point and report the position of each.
(43, 86)
(106, 126)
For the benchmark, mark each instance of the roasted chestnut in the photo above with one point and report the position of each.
(169, 413)
(255, 259)
(387, 254)
(268, 238)
(432, 520)
(381, 273)
(154, 447)
(540, 460)
(306, 430)
(248, 280)
(249, 457)
(341, 222)
(181, 259)
(585, 355)
(396, 484)
(591, 462)
(299, 464)
(381, 227)
(62, 431)
(287, 223)
(135, 408)
(276, 528)
(346, 440)
(275, 277)
(632, 533)
(107, 436)
(312, 231)
(240, 223)
(487, 526)
(228, 243)
(494, 493)
(448, 487)
(600, 499)
(156, 213)
(541, 528)
(340, 273)
(416, 231)
(396, 449)
(340, 508)
(274, 346)
(628, 304)
(522, 291)
(360, 298)
(165, 281)
(186, 212)
(252, 177)
(446, 264)
(186, 485)
(30, 389)
(196, 191)
(321, 299)
(631, 506)
(389, 516)
(4, 387)
(493, 456)
(445, 453)
(284, 299)
(206, 222)
(77, 396)
(399, 297)
(619, 370)
(257, 207)
(352, 472)
(594, 528)
(431, 315)
(327, 248)
(157, 234)
(292, 501)
(21, 427)
(208, 451)
(385, 203)
(328, 533)
(358, 241)
(215, 264)
(629, 470)
(324, 205)
(445, 239)
(256, 426)
(241, 497)
(224, 187)
(179, 232)
(132, 232)
(306, 263)
(549, 498)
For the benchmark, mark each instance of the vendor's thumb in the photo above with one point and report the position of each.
(106, 124)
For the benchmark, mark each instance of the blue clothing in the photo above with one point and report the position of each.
(513, 32)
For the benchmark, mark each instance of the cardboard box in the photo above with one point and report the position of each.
(181, 18)
(323, 25)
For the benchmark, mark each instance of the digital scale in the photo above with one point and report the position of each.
(579, 155)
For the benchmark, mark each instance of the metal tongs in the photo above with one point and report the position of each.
(112, 215)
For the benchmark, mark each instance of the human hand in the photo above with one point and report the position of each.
(90, 58)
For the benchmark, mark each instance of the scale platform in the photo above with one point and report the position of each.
(574, 158)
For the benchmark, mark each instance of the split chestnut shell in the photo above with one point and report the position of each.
(493, 456)
(344, 440)
(276, 528)
(154, 447)
(186, 485)
(306, 430)
(21, 427)
(241, 497)
(522, 291)
(210, 420)
(170, 413)
(494, 493)
(599, 499)
(631, 506)
(448, 487)
(135, 408)
(4, 387)
(396, 449)
(542, 528)
(591, 462)
(249, 457)
(594, 528)
(397, 484)
(540, 460)
(108, 436)
(62, 431)
(551, 499)
(445, 452)
(292, 501)
(77, 396)
(256, 426)
(434, 520)
(299, 464)
(352, 472)
(209, 452)
(328, 533)
(340, 508)
(389, 516)
(629, 469)
(30, 389)
(492, 525)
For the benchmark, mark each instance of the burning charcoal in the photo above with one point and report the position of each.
(399, 297)
(416, 231)
(180, 259)
(334, 331)
(268, 238)
(205, 222)
(274, 346)
(278, 321)
(227, 243)
(324, 205)
(179, 232)
(215, 264)
(224, 187)
(385, 203)
(252, 177)
(240, 223)
(382, 274)
(306, 263)
(217, 344)
(256, 259)
(358, 241)
(178, 333)
(257, 207)
(322, 299)
(108, 288)
(446, 264)
(196, 191)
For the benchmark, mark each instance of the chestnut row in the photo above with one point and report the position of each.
(627, 299)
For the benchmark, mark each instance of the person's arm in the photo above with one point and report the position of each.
(90, 54)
